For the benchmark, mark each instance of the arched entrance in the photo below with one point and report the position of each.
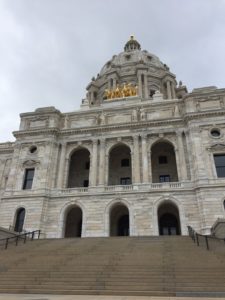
(168, 219)
(163, 160)
(79, 169)
(73, 222)
(19, 221)
(119, 220)
(120, 165)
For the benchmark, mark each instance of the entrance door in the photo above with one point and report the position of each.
(123, 226)
(73, 223)
(168, 225)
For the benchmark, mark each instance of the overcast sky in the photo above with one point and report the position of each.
(50, 49)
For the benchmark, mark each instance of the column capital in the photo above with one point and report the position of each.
(63, 144)
(95, 141)
(179, 133)
(136, 137)
(144, 136)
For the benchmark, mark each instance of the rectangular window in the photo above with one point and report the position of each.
(219, 160)
(86, 183)
(28, 179)
(164, 178)
(125, 162)
(125, 181)
(163, 160)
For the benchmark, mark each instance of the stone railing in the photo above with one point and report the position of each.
(142, 187)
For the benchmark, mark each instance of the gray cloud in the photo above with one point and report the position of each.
(50, 49)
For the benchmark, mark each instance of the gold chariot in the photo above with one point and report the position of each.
(127, 90)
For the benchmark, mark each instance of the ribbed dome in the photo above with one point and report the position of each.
(132, 57)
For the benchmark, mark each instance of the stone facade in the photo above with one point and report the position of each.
(143, 156)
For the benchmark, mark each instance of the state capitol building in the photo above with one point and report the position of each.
(142, 156)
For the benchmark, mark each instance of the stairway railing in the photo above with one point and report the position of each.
(24, 237)
(208, 241)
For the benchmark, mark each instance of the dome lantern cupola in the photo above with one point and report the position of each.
(132, 45)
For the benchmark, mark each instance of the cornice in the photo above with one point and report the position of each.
(198, 115)
(109, 127)
(45, 131)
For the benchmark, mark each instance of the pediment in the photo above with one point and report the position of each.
(217, 147)
(30, 163)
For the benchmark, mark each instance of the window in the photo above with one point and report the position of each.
(163, 160)
(125, 181)
(87, 165)
(28, 179)
(224, 204)
(215, 133)
(86, 183)
(33, 149)
(164, 178)
(219, 160)
(19, 220)
(125, 162)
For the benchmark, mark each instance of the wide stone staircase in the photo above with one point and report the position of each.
(154, 266)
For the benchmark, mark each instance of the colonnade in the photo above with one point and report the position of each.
(143, 86)
(140, 146)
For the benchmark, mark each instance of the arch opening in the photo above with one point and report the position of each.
(119, 220)
(19, 221)
(73, 222)
(79, 169)
(120, 166)
(164, 167)
(168, 219)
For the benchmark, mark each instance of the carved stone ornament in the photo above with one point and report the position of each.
(30, 163)
(217, 147)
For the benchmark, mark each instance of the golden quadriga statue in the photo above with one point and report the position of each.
(127, 90)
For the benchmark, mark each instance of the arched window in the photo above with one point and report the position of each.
(79, 169)
(164, 167)
(20, 215)
(119, 165)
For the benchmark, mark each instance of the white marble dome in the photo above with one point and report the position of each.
(132, 55)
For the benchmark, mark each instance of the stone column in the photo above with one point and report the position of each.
(13, 174)
(93, 171)
(198, 154)
(146, 86)
(61, 173)
(145, 175)
(168, 89)
(92, 96)
(139, 86)
(136, 160)
(67, 169)
(150, 167)
(177, 157)
(102, 163)
(183, 167)
(114, 83)
(173, 90)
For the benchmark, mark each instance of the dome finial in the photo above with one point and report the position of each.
(132, 45)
